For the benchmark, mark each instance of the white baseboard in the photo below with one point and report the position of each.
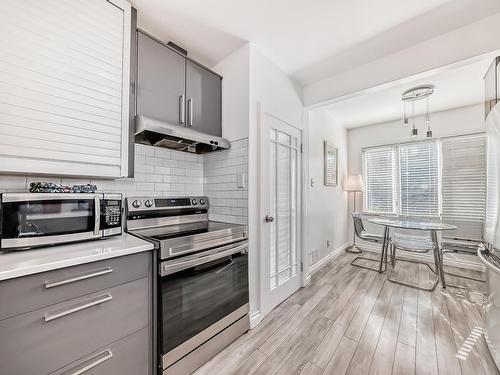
(255, 319)
(449, 260)
(322, 262)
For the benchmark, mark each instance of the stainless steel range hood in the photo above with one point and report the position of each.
(153, 132)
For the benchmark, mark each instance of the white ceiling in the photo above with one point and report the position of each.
(453, 88)
(309, 40)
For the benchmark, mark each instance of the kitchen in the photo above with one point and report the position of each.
(161, 177)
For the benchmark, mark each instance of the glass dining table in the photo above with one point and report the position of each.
(431, 227)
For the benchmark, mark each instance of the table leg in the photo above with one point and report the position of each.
(384, 245)
(439, 257)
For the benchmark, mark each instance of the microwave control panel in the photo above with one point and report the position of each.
(111, 211)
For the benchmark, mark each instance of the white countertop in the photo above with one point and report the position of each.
(27, 262)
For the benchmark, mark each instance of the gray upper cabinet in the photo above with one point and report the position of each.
(174, 89)
(203, 96)
(160, 81)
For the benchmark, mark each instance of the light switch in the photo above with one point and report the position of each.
(241, 180)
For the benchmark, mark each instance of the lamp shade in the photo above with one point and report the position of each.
(353, 183)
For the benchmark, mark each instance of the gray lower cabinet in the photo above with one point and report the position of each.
(48, 288)
(108, 329)
(203, 100)
(126, 356)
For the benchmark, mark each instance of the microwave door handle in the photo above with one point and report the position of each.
(97, 211)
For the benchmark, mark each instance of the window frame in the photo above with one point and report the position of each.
(397, 199)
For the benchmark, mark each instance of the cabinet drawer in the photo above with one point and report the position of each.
(44, 289)
(44, 340)
(128, 356)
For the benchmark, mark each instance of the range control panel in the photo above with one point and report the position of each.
(152, 203)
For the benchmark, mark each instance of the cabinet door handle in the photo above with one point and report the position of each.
(182, 110)
(79, 277)
(190, 111)
(91, 302)
(97, 360)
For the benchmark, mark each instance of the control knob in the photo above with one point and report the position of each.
(194, 202)
(136, 204)
(148, 203)
(202, 201)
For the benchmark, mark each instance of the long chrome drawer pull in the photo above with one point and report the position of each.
(93, 302)
(101, 357)
(82, 276)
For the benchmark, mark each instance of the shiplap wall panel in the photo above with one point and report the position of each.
(64, 86)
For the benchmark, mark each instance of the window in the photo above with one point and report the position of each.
(464, 185)
(445, 179)
(419, 179)
(379, 172)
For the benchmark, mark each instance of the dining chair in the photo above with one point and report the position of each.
(410, 243)
(361, 233)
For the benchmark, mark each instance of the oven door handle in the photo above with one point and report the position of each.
(168, 268)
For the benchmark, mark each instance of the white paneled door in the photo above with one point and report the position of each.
(281, 192)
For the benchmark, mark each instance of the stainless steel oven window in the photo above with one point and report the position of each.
(198, 292)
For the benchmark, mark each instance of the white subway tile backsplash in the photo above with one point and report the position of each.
(221, 169)
(12, 182)
(151, 160)
(162, 172)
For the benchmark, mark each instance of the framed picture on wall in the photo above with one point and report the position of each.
(331, 164)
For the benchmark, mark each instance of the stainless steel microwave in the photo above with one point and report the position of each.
(29, 220)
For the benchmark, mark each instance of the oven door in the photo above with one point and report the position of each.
(31, 220)
(200, 295)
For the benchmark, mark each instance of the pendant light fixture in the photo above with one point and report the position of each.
(414, 130)
(413, 95)
(428, 117)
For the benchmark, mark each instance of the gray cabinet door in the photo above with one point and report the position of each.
(203, 96)
(33, 292)
(160, 81)
(128, 356)
(44, 340)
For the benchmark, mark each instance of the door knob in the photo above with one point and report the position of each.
(269, 219)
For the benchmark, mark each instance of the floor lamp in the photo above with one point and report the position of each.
(354, 184)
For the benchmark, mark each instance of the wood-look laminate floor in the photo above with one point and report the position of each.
(353, 321)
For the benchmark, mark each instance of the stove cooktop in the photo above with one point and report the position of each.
(183, 239)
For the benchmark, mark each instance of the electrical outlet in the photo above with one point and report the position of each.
(312, 182)
(327, 243)
(314, 256)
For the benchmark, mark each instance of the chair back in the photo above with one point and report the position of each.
(358, 224)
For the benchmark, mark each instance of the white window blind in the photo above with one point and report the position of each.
(379, 175)
(464, 185)
(419, 179)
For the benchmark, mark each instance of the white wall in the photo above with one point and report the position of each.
(235, 69)
(327, 205)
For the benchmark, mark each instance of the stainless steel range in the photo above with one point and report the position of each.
(202, 278)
